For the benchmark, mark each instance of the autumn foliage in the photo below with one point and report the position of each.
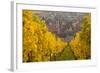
(81, 44)
(38, 43)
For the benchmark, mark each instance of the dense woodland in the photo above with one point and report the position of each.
(56, 36)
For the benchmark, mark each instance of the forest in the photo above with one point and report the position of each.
(56, 36)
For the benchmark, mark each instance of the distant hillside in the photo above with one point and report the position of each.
(63, 24)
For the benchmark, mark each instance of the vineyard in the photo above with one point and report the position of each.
(46, 41)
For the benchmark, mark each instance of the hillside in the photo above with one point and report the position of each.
(63, 24)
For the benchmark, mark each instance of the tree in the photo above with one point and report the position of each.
(81, 44)
(38, 43)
